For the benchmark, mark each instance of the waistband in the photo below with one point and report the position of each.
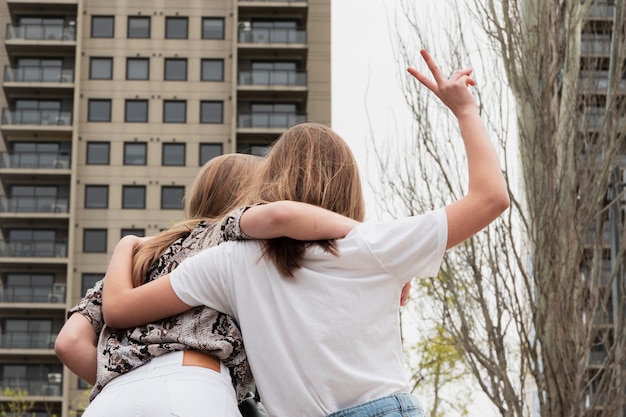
(404, 404)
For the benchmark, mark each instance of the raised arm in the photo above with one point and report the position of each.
(487, 196)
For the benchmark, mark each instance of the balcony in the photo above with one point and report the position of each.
(273, 78)
(51, 388)
(38, 75)
(54, 294)
(593, 119)
(34, 32)
(601, 10)
(27, 340)
(34, 205)
(269, 120)
(270, 35)
(33, 249)
(36, 117)
(595, 45)
(598, 82)
(34, 160)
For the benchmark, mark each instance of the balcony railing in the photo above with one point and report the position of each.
(38, 74)
(36, 117)
(33, 387)
(34, 249)
(594, 118)
(272, 77)
(34, 160)
(269, 120)
(27, 340)
(596, 44)
(30, 294)
(601, 9)
(598, 81)
(34, 205)
(266, 35)
(41, 32)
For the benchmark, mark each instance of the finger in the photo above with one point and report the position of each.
(460, 73)
(427, 82)
(432, 66)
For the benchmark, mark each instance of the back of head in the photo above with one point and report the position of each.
(219, 185)
(217, 190)
(309, 163)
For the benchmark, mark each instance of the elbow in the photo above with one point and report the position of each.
(65, 345)
(500, 202)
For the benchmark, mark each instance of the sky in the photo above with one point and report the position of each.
(365, 75)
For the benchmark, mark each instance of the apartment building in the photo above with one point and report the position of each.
(108, 111)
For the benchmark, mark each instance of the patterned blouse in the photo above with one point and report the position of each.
(202, 328)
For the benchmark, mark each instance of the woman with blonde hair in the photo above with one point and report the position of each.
(320, 320)
(188, 342)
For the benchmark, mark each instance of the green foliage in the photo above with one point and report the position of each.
(17, 405)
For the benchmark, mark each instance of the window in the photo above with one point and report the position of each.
(29, 288)
(209, 151)
(98, 153)
(99, 110)
(173, 154)
(101, 68)
(137, 68)
(96, 196)
(211, 111)
(95, 240)
(176, 28)
(133, 197)
(175, 69)
(102, 26)
(212, 70)
(172, 197)
(135, 153)
(174, 111)
(138, 26)
(134, 232)
(136, 111)
(212, 28)
(88, 281)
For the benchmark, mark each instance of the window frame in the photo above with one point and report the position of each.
(178, 145)
(94, 187)
(144, 118)
(126, 188)
(201, 153)
(103, 233)
(103, 17)
(169, 19)
(143, 18)
(108, 153)
(138, 59)
(93, 101)
(178, 188)
(205, 102)
(167, 61)
(208, 60)
(126, 155)
(91, 67)
(172, 102)
(204, 31)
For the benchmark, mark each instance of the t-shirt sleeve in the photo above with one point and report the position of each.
(91, 307)
(409, 247)
(199, 280)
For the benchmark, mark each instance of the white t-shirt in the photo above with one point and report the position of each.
(329, 337)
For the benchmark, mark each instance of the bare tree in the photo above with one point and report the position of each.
(535, 304)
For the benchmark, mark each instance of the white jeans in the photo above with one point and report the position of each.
(164, 388)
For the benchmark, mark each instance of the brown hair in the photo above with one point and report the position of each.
(216, 190)
(309, 163)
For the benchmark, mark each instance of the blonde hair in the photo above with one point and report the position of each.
(309, 163)
(216, 191)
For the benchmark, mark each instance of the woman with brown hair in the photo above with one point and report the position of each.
(320, 319)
